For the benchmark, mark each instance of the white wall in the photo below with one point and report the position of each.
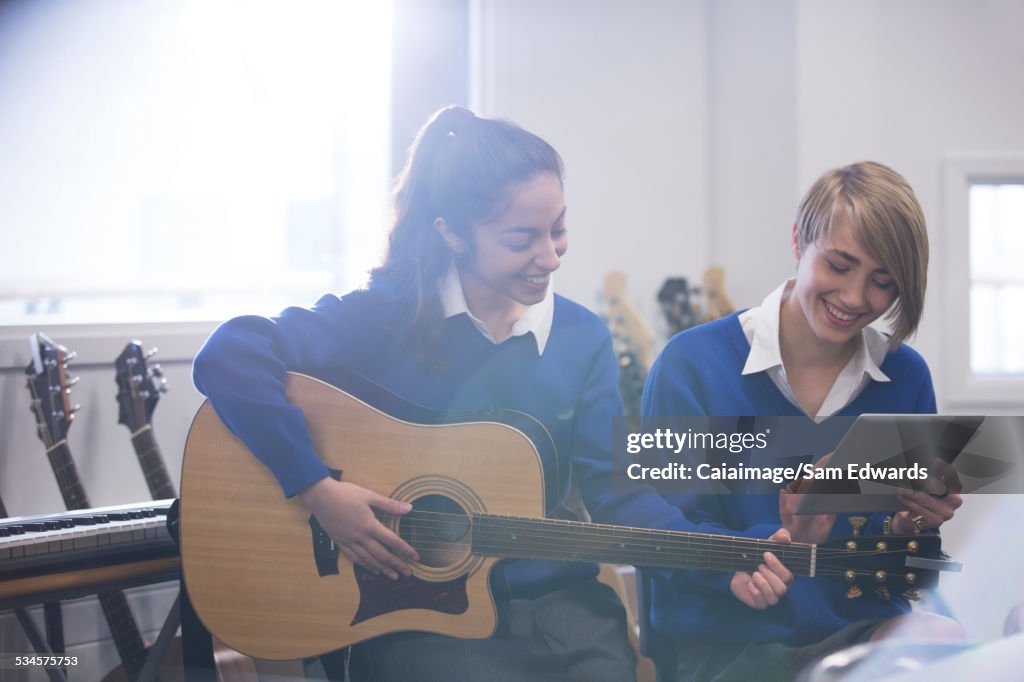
(619, 89)
(908, 83)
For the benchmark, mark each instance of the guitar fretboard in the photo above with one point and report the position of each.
(127, 638)
(152, 462)
(560, 540)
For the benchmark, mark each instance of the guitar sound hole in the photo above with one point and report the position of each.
(439, 530)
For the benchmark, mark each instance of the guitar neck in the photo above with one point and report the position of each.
(558, 540)
(68, 481)
(129, 643)
(125, 632)
(152, 462)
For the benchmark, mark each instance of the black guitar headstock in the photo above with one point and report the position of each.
(886, 565)
(138, 386)
(675, 298)
(50, 386)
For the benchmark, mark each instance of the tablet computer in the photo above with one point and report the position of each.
(883, 453)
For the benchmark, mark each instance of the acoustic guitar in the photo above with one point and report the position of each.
(50, 388)
(265, 578)
(139, 387)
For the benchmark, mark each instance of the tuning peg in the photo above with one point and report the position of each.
(883, 593)
(69, 356)
(912, 594)
(152, 351)
(73, 380)
(158, 377)
(857, 523)
(852, 592)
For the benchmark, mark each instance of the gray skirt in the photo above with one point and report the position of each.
(577, 633)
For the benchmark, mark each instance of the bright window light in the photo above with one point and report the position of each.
(189, 160)
(997, 279)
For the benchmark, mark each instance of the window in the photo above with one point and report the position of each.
(984, 331)
(192, 160)
(997, 279)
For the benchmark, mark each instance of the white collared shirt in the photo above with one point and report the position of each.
(761, 327)
(538, 317)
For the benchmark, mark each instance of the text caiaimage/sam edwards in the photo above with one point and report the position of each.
(742, 472)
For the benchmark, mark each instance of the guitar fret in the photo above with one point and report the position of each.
(561, 539)
(127, 639)
(151, 459)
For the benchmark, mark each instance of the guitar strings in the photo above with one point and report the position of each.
(697, 557)
(490, 523)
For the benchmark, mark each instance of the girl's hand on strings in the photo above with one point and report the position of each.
(767, 585)
(347, 513)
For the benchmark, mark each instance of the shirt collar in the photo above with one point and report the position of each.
(765, 352)
(537, 319)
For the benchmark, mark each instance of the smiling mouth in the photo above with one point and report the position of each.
(841, 316)
(538, 281)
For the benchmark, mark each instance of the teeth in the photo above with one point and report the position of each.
(536, 280)
(845, 317)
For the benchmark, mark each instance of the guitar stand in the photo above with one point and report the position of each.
(196, 640)
(162, 643)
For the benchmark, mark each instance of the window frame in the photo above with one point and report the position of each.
(960, 171)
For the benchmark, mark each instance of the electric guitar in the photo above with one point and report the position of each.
(675, 298)
(50, 387)
(717, 303)
(632, 339)
(265, 578)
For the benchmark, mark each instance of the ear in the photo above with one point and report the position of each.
(454, 241)
(795, 243)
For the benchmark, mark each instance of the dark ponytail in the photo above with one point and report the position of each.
(461, 167)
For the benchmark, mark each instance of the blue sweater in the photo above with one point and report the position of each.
(700, 373)
(571, 389)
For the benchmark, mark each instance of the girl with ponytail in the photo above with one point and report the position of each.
(461, 316)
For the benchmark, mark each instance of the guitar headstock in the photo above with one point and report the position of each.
(675, 298)
(626, 323)
(885, 565)
(50, 386)
(138, 386)
(717, 302)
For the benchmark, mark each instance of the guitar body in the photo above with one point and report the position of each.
(266, 582)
